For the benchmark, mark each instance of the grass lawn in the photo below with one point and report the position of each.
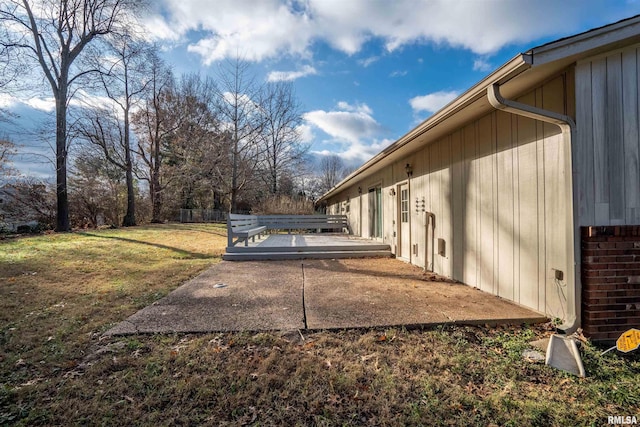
(60, 292)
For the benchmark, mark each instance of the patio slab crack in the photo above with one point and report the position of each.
(304, 307)
(314, 295)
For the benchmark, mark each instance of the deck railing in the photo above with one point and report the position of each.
(290, 223)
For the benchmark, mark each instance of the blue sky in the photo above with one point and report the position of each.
(365, 71)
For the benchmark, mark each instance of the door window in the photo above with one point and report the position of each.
(404, 205)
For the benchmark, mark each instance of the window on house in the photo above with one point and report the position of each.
(404, 205)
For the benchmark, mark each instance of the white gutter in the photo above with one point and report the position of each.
(568, 128)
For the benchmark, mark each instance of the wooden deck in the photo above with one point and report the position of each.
(307, 246)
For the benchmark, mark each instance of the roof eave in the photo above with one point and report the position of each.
(587, 43)
(506, 72)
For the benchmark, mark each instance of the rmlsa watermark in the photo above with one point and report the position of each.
(622, 420)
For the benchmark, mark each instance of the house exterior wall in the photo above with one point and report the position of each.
(496, 187)
(607, 183)
(608, 173)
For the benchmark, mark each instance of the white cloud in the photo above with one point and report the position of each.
(351, 127)
(344, 125)
(7, 100)
(255, 30)
(398, 73)
(306, 133)
(239, 98)
(43, 104)
(357, 153)
(358, 108)
(368, 61)
(157, 28)
(31, 126)
(277, 76)
(432, 102)
(262, 29)
(481, 64)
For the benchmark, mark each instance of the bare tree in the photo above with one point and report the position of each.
(7, 149)
(29, 199)
(307, 181)
(54, 34)
(104, 131)
(95, 187)
(332, 171)
(124, 78)
(238, 108)
(282, 149)
(154, 124)
(10, 68)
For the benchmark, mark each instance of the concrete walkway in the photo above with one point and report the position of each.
(318, 294)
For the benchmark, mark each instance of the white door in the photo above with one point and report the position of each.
(404, 230)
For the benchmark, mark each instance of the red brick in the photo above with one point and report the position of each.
(610, 245)
(610, 280)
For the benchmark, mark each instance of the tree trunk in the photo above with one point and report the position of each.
(234, 171)
(156, 194)
(130, 217)
(62, 211)
(234, 208)
(156, 202)
(274, 182)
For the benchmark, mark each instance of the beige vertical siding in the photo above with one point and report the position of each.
(607, 170)
(497, 189)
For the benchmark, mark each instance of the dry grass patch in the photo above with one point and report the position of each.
(446, 376)
(60, 292)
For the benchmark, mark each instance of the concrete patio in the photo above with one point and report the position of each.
(319, 294)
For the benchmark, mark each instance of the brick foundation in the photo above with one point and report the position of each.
(610, 281)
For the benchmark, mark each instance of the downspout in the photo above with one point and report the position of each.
(568, 128)
(409, 214)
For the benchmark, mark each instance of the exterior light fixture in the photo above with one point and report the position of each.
(359, 190)
(409, 169)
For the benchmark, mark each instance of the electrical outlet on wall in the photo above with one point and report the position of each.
(558, 274)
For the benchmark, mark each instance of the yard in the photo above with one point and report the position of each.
(60, 292)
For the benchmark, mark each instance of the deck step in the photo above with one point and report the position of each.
(324, 254)
(331, 248)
